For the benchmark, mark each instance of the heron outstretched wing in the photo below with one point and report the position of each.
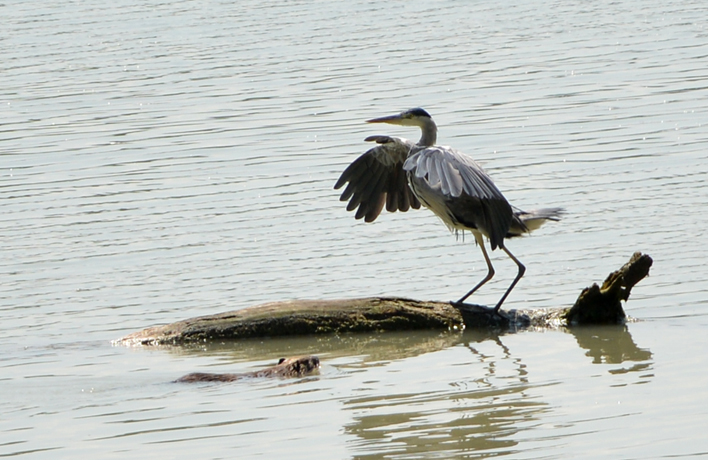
(470, 196)
(377, 178)
(452, 172)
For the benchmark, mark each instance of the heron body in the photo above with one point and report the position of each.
(400, 175)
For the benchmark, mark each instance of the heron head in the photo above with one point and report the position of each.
(411, 117)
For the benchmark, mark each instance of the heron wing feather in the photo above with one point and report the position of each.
(452, 172)
(365, 187)
(470, 196)
(376, 179)
(368, 196)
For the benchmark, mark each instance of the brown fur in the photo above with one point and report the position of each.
(298, 366)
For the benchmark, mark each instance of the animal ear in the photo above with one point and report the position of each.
(280, 361)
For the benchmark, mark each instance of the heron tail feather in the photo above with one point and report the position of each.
(528, 221)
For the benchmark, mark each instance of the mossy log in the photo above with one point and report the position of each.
(595, 305)
(300, 317)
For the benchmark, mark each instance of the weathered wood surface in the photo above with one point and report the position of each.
(305, 317)
(603, 305)
(596, 305)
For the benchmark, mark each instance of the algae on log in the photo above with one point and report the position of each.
(305, 317)
(596, 305)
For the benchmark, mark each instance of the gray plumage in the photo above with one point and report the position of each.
(400, 175)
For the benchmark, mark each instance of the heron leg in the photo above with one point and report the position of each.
(522, 270)
(490, 268)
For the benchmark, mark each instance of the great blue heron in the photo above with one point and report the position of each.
(401, 175)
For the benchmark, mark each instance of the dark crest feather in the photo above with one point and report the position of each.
(418, 112)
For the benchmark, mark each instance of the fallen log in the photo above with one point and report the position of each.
(301, 317)
(596, 305)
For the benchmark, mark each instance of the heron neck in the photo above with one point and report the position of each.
(429, 133)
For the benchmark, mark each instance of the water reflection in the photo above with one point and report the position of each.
(482, 413)
(453, 395)
(482, 409)
(443, 423)
(471, 394)
(613, 345)
(372, 348)
(604, 344)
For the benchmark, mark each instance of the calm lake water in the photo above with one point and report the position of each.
(160, 161)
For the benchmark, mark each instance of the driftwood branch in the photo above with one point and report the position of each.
(602, 305)
(595, 305)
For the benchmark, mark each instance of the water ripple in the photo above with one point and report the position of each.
(162, 161)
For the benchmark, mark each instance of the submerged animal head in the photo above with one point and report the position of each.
(298, 365)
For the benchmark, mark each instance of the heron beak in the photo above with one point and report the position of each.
(391, 119)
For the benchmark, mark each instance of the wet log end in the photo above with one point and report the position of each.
(603, 305)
